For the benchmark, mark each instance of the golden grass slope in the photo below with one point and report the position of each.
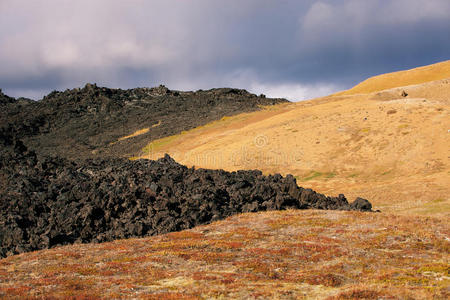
(402, 78)
(393, 150)
(272, 255)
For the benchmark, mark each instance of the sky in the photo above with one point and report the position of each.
(282, 48)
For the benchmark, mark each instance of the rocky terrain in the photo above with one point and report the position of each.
(63, 180)
(386, 140)
(50, 201)
(96, 121)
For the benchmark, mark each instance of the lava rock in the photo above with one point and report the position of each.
(49, 201)
(88, 122)
(361, 204)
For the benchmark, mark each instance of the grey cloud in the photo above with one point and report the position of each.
(286, 46)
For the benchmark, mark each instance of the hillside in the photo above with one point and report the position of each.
(419, 75)
(391, 146)
(97, 121)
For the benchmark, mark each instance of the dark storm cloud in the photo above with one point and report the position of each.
(294, 49)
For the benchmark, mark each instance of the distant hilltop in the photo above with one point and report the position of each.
(89, 121)
(418, 75)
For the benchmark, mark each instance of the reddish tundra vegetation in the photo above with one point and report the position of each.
(272, 255)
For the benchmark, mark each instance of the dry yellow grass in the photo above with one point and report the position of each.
(136, 133)
(390, 149)
(402, 78)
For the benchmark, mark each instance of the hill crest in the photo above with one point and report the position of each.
(414, 76)
(92, 121)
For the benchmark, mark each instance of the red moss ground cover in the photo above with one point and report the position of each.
(284, 255)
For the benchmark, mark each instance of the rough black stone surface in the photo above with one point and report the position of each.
(4, 99)
(87, 122)
(49, 201)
